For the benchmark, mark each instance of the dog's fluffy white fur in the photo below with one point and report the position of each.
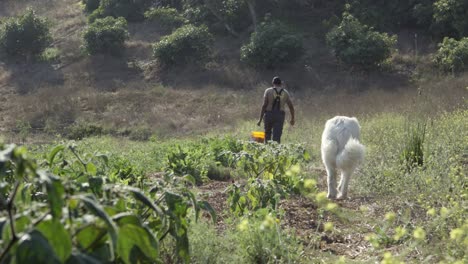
(341, 150)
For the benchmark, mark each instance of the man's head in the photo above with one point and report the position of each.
(277, 81)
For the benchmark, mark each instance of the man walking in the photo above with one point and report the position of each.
(274, 101)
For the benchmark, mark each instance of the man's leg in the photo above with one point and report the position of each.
(268, 124)
(278, 126)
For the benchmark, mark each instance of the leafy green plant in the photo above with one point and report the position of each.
(188, 44)
(71, 212)
(412, 154)
(81, 130)
(272, 45)
(357, 44)
(27, 35)
(273, 173)
(106, 35)
(452, 55)
(166, 17)
(262, 240)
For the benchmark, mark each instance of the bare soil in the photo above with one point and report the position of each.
(302, 217)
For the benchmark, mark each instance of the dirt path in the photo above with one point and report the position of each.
(301, 215)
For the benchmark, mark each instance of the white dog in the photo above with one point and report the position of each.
(341, 150)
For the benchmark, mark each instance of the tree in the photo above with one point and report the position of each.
(357, 44)
(26, 35)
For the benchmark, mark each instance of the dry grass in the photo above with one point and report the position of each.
(133, 91)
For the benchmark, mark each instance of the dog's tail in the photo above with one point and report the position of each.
(351, 156)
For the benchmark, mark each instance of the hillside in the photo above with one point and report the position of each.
(133, 92)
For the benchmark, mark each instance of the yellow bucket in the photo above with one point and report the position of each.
(257, 136)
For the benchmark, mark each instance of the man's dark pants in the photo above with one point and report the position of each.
(274, 121)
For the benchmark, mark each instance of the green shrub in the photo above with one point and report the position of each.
(188, 44)
(356, 44)
(140, 133)
(106, 35)
(26, 35)
(452, 55)
(271, 45)
(262, 240)
(166, 17)
(218, 173)
(131, 10)
(79, 131)
(91, 5)
(413, 154)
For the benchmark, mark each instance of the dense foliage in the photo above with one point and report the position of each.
(188, 44)
(272, 45)
(91, 5)
(452, 55)
(78, 208)
(106, 35)
(25, 35)
(357, 44)
(453, 14)
(166, 17)
(131, 10)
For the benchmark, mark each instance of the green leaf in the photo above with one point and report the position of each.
(126, 218)
(55, 193)
(34, 248)
(54, 153)
(131, 236)
(89, 235)
(98, 211)
(140, 196)
(91, 169)
(207, 207)
(104, 157)
(79, 258)
(21, 224)
(57, 236)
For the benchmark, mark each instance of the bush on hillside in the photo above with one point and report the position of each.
(106, 36)
(452, 55)
(166, 17)
(271, 45)
(91, 5)
(26, 35)
(131, 10)
(188, 44)
(357, 44)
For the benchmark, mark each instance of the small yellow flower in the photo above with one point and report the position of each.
(309, 184)
(321, 197)
(431, 212)
(444, 212)
(328, 226)
(372, 238)
(364, 208)
(390, 216)
(419, 233)
(296, 169)
(399, 233)
(457, 234)
(244, 225)
(331, 206)
(269, 222)
(341, 260)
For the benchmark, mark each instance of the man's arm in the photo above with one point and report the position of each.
(264, 106)
(291, 109)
